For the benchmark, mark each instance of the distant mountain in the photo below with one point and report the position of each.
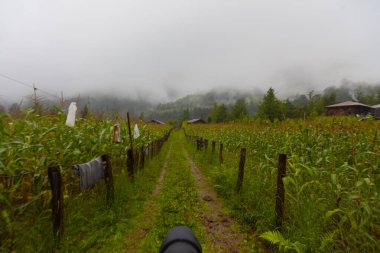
(200, 105)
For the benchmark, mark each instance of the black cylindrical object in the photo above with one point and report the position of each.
(181, 239)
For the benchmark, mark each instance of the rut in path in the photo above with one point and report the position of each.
(223, 232)
(134, 238)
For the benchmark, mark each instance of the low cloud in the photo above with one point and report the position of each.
(162, 50)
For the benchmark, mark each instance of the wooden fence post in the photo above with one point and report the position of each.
(142, 157)
(221, 153)
(130, 134)
(108, 179)
(213, 147)
(280, 196)
(55, 179)
(241, 170)
(206, 144)
(130, 163)
(136, 159)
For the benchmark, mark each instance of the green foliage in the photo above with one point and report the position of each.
(291, 110)
(29, 146)
(271, 108)
(219, 113)
(239, 109)
(276, 238)
(332, 185)
(186, 114)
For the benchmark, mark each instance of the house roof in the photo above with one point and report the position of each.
(347, 104)
(195, 120)
(157, 121)
(376, 106)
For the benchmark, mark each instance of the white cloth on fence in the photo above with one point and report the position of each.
(90, 173)
(70, 121)
(136, 132)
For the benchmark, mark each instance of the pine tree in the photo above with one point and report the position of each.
(271, 108)
(85, 112)
(239, 110)
(186, 114)
(218, 113)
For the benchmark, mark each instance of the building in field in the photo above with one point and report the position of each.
(348, 108)
(196, 121)
(155, 121)
(376, 111)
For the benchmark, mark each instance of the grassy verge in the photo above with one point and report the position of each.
(91, 226)
(178, 204)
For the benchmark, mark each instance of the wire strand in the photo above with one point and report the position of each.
(29, 86)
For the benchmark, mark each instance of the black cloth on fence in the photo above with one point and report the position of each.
(90, 173)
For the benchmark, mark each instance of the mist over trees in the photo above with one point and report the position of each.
(213, 106)
(300, 106)
(2, 109)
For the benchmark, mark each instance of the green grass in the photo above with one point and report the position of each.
(179, 203)
(91, 226)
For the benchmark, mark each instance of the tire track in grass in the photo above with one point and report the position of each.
(145, 222)
(224, 234)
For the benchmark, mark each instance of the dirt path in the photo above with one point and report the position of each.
(135, 237)
(223, 232)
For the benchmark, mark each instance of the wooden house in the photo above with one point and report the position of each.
(155, 121)
(376, 111)
(348, 108)
(196, 121)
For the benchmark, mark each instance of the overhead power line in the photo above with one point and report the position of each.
(29, 85)
(17, 81)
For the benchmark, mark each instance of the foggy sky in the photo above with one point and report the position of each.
(165, 49)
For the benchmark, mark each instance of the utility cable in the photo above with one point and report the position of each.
(29, 86)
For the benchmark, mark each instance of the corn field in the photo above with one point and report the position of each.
(29, 146)
(332, 186)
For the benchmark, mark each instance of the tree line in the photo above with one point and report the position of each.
(307, 105)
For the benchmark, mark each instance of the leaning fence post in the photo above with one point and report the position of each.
(241, 170)
(221, 153)
(280, 196)
(206, 144)
(108, 178)
(130, 163)
(130, 134)
(55, 179)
